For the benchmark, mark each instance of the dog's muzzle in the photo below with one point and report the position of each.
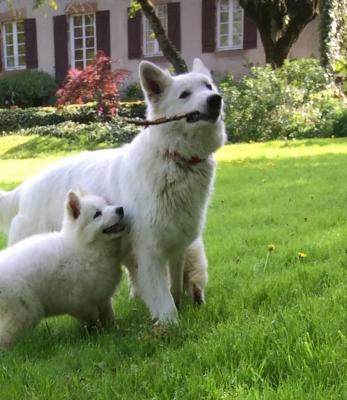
(214, 108)
(116, 228)
(119, 226)
(214, 103)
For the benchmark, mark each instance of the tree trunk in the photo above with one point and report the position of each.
(275, 53)
(280, 24)
(166, 46)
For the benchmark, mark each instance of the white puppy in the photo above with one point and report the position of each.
(74, 271)
(163, 178)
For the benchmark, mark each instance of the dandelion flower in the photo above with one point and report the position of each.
(271, 247)
(302, 254)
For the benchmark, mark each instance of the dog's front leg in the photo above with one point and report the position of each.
(176, 277)
(154, 288)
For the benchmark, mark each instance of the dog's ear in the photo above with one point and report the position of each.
(153, 79)
(199, 66)
(73, 205)
(80, 191)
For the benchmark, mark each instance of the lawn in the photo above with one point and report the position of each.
(275, 322)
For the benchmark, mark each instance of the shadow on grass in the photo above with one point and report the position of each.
(292, 160)
(43, 146)
(134, 336)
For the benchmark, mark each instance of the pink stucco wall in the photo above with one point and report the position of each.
(220, 62)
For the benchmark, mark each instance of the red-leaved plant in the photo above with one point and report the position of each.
(94, 83)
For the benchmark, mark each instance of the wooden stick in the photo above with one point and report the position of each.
(162, 120)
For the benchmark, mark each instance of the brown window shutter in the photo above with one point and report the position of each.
(60, 47)
(2, 55)
(249, 33)
(135, 36)
(174, 24)
(103, 35)
(30, 43)
(208, 26)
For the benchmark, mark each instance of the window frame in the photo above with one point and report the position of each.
(83, 37)
(146, 28)
(230, 45)
(16, 66)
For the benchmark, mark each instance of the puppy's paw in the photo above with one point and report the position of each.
(178, 303)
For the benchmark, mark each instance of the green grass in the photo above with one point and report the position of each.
(270, 330)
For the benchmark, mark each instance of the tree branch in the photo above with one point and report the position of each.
(166, 46)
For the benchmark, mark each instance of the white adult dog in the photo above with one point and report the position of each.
(163, 178)
(74, 271)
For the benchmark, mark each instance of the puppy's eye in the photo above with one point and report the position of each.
(97, 214)
(185, 94)
(209, 87)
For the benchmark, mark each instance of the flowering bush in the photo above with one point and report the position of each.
(94, 83)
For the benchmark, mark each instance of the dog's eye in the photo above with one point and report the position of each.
(209, 87)
(184, 94)
(97, 214)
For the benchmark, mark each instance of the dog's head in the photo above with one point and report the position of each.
(195, 91)
(90, 218)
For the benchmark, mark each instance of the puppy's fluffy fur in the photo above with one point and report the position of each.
(74, 271)
(163, 178)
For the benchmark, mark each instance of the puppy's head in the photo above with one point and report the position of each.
(90, 218)
(167, 96)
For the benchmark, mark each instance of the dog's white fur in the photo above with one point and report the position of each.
(166, 197)
(74, 271)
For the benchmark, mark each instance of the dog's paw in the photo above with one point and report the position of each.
(198, 297)
(167, 322)
(94, 328)
(165, 330)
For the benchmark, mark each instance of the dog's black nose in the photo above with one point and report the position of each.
(214, 102)
(120, 211)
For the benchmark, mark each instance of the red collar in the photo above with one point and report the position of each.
(176, 156)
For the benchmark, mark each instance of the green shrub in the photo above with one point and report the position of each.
(295, 101)
(26, 89)
(340, 124)
(132, 92)
(132, 109)
(114, 132)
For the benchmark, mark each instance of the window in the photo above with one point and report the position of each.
(151, 45)
(14, 45)
(82, 40)
(229, 24)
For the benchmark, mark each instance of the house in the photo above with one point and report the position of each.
(217, 31)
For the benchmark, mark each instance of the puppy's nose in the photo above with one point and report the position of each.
(120, 212)
(214, 102)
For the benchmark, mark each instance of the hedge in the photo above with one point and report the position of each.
(115, 132)
(15, 119)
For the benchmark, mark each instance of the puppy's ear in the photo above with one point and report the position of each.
(73, 205)
(153, 79)
(199, 66)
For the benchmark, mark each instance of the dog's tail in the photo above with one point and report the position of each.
(9, 204)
